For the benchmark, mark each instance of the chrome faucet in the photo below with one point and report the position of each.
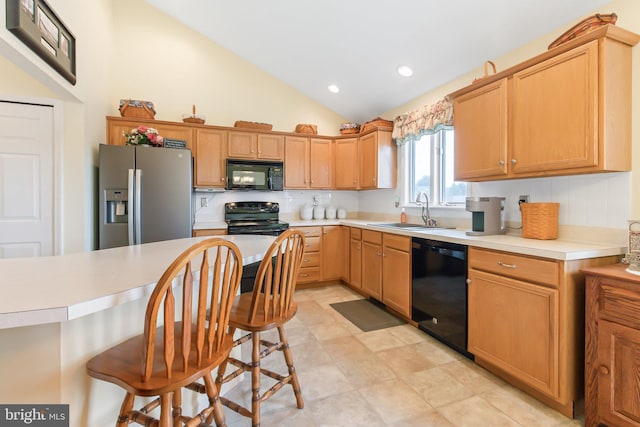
(426, 216)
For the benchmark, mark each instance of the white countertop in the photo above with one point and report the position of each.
(58, 288)
(555, 249)
(564, 250)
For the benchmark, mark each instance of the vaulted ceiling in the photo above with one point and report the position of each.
(358, 44)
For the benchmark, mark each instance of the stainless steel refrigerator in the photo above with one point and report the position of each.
(144, 194)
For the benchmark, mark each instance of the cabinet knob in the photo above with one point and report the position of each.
(513, 161)
(501, 162)
(468, 281)
(222, 179)
(604, 370)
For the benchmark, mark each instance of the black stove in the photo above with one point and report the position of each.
(254, 218)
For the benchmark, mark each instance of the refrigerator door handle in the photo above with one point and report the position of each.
(130, 202)
(138, 205)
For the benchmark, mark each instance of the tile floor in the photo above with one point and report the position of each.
(397, 376)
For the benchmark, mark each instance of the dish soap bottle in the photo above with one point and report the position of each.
(403, 216)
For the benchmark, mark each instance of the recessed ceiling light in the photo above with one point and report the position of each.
(333, 88)
(405, 71)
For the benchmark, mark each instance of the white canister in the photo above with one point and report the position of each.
(318, 212)
(342, 213)
(330, 213)
(306, 212)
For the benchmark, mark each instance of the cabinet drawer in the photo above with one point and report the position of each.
(311, 231)
(372, 236)
(309, 274)
(310, 259)
(401, 243)
(619, 303)
(356, 233)
(312, 244)
(517, 266)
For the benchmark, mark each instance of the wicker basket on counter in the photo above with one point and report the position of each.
(540, 220)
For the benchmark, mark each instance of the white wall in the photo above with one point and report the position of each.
(128, 49)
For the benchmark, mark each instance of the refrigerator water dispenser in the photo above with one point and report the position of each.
(117, 209)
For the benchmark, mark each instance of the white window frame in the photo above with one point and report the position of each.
(405, 170)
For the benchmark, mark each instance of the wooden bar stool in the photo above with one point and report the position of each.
(186, 347)
(269, 306)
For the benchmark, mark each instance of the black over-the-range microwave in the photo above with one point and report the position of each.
(255, 175)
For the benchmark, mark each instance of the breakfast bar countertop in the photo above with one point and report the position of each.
(58, 288)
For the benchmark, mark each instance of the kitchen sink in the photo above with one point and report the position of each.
(406, 225)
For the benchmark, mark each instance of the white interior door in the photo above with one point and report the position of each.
(26, 180)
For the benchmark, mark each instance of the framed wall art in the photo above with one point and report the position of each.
(37, 26)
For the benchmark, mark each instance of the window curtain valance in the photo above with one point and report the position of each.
(426, 120)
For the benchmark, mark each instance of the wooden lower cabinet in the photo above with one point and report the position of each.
(332, 252)
(310, 268)
(396, 273)
(355, 258)
(526, 322)
(612, 342)
(385, 269)
(514, 325)
(372, 264)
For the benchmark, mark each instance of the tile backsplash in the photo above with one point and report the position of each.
(291, 201)
(597, 200)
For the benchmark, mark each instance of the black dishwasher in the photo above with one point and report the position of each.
(439, 291)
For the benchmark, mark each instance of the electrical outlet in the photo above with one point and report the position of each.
(204, 202)
(522, 199)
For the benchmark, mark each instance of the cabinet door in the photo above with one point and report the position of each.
(355, 262)
(369, 161)
(181, 132)
(396, 280)
(116, 132)
(555, 113)
(481, 132)
(372, 269)
(296, 162)
(211, 149)
(331, 252)
(346, 163)
(345, 240)
(242, 145)
(270, 147)
(321, 161)
(618, 380)
(513, 325)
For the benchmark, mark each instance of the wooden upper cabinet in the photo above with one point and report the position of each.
(481, 132)
(296, 160)
(555, 113)
(346, 155)
(566, 111)
(210, 159)
(243, 145)
(321, 163)
(118, 127)
(256, 146)
(270, 147)
(377, 156)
